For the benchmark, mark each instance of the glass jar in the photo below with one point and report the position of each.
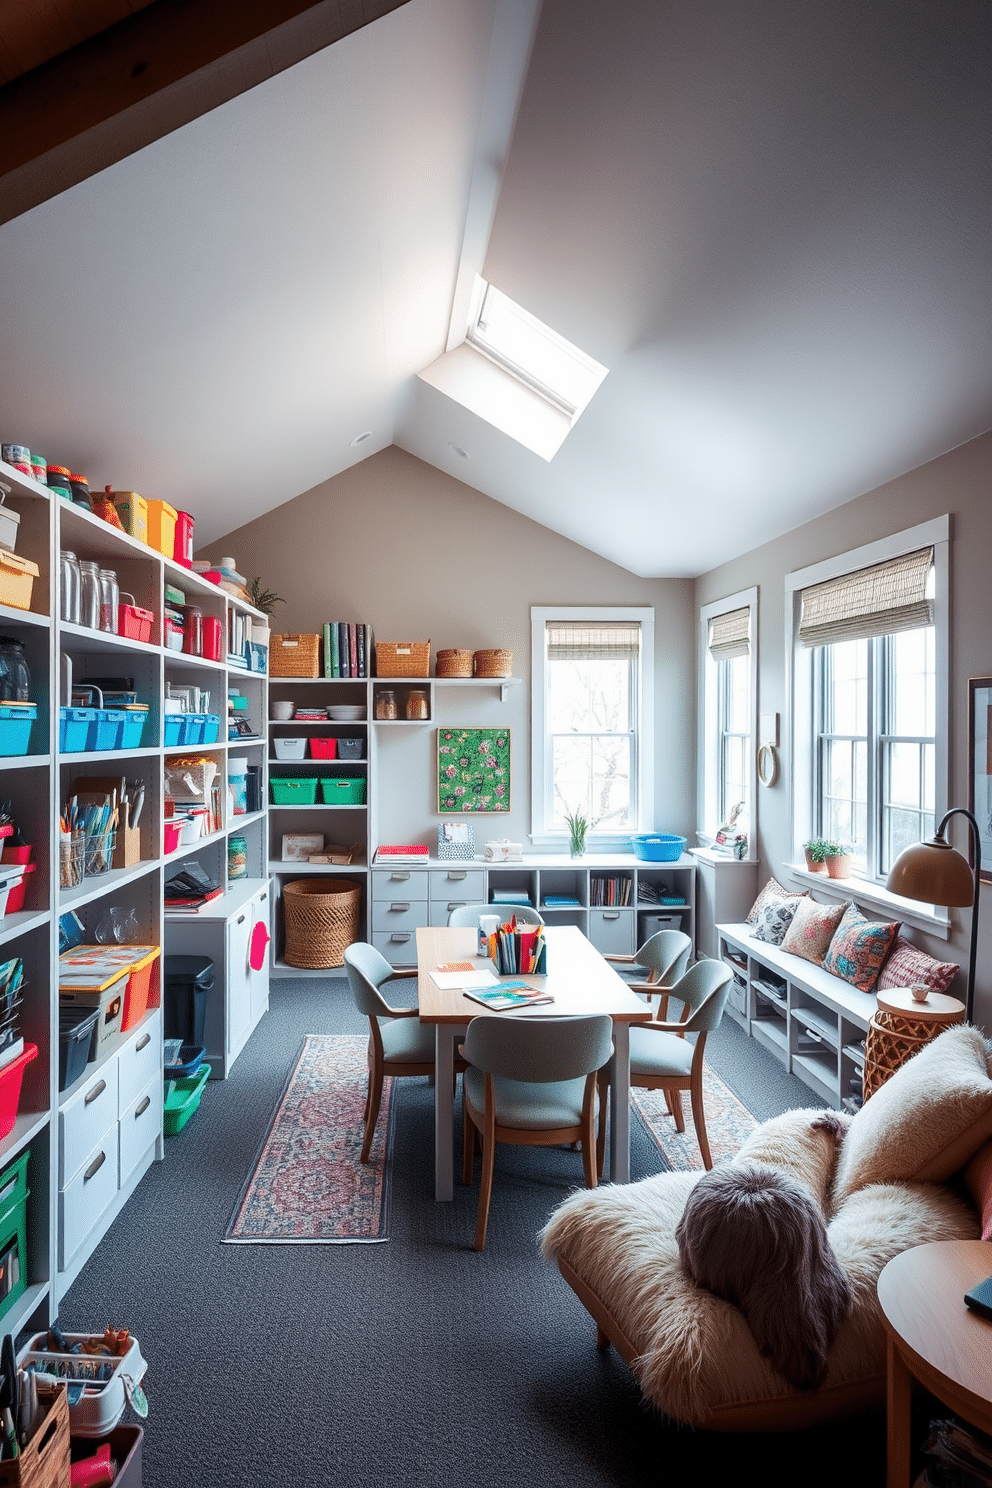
(15, 674)
(110, 596)
(89, 594)
(193, 630)
(385, 706)
(417, 706)
(69, 586)
(237, 857)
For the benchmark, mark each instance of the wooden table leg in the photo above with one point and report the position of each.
(444, 1111)
(899, 1399)
(620, 1104)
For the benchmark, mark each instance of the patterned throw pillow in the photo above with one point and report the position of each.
(908, 964)
(859, 948)
(771, 893)
(812, 930)
(774, 919)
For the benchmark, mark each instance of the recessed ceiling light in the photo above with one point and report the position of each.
(360, 439)
(456, 449)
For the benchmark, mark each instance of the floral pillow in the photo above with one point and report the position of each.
(770, 894)
(774, 919)
(908, 964)
(812, 930)
(859, 948)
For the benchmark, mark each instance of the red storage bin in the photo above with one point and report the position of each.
(134, 623)
(324, 748)
(183, 550)
(11, 1077)
(15, 899)
(170, 835)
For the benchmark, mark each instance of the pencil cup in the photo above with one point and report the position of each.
(99, 853)
(70, 861)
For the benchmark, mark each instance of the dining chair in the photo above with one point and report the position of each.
(399, 1044)
(468, 914)
(666, 957)
(662, 1057)
(533, 1082)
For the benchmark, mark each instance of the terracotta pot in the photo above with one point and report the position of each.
(814, 867)
(839, 866)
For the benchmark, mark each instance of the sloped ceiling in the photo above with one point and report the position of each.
(770, 221)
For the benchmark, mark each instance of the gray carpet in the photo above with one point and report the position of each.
(416, 1362)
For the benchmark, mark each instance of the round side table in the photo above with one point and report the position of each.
(899, 1028)
(934, 1338)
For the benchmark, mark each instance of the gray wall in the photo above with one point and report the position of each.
(959, 483)
(417, 554)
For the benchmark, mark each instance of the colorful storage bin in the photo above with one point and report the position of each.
(162, 527)
(293, 792)
(11, 1077)
(106, 728)
(74, 728)
(13, 1232)
(343, 790)
(321, 748)
(135, 716)
(16, 723)
(109, 1005)
(17, 576)
(182, 1098)
(173, 726)
(133, 512)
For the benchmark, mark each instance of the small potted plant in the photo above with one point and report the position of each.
(577, 828)
(837, 858)
(815, 850)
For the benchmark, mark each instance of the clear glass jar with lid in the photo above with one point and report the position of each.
(69, 586)
(417, 706)
(89, 593)
(110, 596)
(385, 706)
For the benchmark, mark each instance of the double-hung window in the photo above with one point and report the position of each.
(870, 703)
(592, 674)
(727, 689)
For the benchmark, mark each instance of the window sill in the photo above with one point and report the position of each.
(931, 918)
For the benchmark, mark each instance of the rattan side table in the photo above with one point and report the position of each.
(899, 1028)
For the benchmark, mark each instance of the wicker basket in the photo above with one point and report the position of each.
(494, 663)
(454, 663)
(294, 656)
(321, 920)
(403, 658)
(43, 1462)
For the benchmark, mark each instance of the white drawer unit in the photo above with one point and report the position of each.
(467, 885)
(398, 946)
(139, 1128)
(399, 884)
(399, 914)
(612, 931)
(139, 1060)
(86, 1118)
(86, 1198)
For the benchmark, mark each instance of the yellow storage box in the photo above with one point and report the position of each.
(162, 527)
(17, 576)
(133, 512)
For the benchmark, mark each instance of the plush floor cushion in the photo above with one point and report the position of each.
(696, 1359)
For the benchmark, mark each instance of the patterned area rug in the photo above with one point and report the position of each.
(307, 1186)
(728, 1122)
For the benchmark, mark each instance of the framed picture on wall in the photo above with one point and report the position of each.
(473, 771)
(980, 765)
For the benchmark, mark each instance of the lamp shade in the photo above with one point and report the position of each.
(933, 872)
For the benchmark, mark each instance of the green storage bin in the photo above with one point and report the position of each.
(300, 791)
(182, 1097)
(13, 1232)
(343, 790)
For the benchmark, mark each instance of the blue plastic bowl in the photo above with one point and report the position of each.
(658, 847)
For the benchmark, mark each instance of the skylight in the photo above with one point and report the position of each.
(531, 351)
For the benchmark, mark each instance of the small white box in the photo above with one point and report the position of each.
(291, 749)
(298, 846)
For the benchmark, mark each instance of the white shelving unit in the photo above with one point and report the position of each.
(89, 1152)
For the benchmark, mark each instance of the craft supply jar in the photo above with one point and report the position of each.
(89, 594)
(69, 586)
(58, 481)
(193, 630)
(417, 706)
(110, 596)
(237, 857)
(385, 706)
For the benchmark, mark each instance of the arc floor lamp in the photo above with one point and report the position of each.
(934, 872)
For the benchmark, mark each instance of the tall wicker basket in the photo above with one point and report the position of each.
(321, 920)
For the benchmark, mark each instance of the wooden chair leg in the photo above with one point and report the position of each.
(372, 1116)
(696, 1099)
(486, 1183)
(602, 1342)
(468, 1142)
(604, 1095)
(676, 1100)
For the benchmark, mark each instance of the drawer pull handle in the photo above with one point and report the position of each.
(241, 919)
(142, 1043)
(399, 908)
(614, 916)
(143, 1107)
(95, 1166)
(262, 898)
(458, 877)
(95, 1093)
(456, 904)
(402, 939)
(399, 878)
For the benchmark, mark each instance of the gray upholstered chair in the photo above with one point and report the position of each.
(531, 1081)
(665, 956)
(399, 1044)
(468, 914)
(662, 1057)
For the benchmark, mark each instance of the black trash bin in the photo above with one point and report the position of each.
(188, 980)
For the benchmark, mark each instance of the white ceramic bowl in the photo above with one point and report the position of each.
(345, 712)
(281, 712)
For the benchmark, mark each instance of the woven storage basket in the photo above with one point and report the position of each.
(321, 920)
(403, 658)
(494, 663)
(454, 663)
(294, 656)
(43, 1462)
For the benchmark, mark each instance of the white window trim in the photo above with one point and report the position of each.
(708, 746)
(539, 615)
(799, 712)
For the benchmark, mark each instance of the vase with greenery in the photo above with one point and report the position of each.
(838, 860)
(577, 828)
(263, 599)
(815, 850)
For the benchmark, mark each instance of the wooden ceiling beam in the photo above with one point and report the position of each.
(148, 75)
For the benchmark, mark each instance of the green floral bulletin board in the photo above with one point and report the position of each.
(473, 770)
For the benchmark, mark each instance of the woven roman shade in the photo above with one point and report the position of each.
(871, 602)
(730, 634)
(577, 640)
